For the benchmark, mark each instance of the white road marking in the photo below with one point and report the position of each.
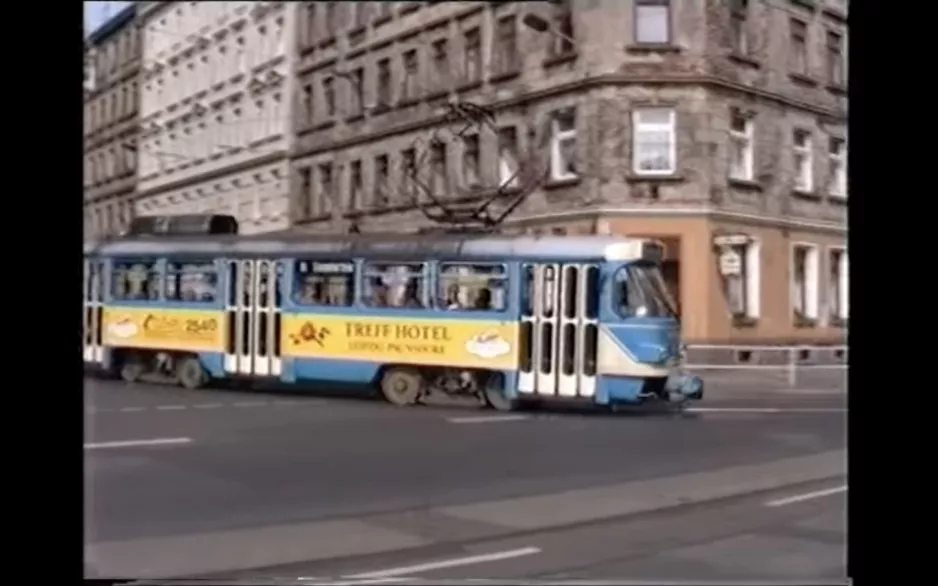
(451, 563)
(487, 418)
(766, 410)
(207, 406)
(250, 403)
(166, 441)
(170, 407)
(132, 409)
(324, 582)
(806, 496)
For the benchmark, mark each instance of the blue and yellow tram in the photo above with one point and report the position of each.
(505, 319)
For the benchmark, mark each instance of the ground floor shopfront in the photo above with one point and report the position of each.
(789, 285)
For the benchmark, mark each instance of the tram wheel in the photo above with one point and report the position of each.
(132, 368)
(495, 395)
(190, 373)
(402, 386)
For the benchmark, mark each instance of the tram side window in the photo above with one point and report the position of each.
(191, 282)
(472, 287)
(324, 283)
(135, 281)
(397, 285)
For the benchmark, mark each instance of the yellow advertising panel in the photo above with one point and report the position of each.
(437, 342)
(167, 329)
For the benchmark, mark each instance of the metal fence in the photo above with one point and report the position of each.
(816, 367)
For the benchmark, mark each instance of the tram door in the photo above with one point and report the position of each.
(253, 318)
(93, 307)
(559, 330)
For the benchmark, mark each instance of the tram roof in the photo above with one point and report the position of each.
(390, 246)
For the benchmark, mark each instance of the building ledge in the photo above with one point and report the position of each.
(745, 60)
(633, 177)
(804, 80)
(744, 184)
(504, 76)
(809, 195)
(641, 48)
(560, 59)
(551, 183)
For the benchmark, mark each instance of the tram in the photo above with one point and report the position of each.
(509, 320)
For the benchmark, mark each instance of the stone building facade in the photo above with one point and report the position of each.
(718, 127)
(216, 110)
(112, 61)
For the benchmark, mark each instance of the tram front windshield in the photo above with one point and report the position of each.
(642, 292)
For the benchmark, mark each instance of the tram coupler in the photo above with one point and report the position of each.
(684, 386)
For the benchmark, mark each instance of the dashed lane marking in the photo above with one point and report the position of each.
(164, 441)
(201, 406)
(486, 419)
(450, 563)
(807, 496)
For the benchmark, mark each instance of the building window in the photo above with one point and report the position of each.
(441, 68)
(741, 146)
(563, 145)
(381, 190)
(506, 45)
(356, 182)
(739, 26)
(438, 168)
(472, 40)
(741, 267)
(798, 51)
(357, 85)
(304, 206)
(804, 283)
(409, 90)
(838, 299)
(803, 161)
(384, 83)
(328, 94)
(409, 170)
(306, 104)
(384, 11)
(835, 59)
(332, 24)
(470, 162)
(507, 157)
(362, 13)
(653, 22)
(654, 144)
(837, 167)
(562, 42)
(310, 28)
(326, 186)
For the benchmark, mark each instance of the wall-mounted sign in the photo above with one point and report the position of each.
(731, 263)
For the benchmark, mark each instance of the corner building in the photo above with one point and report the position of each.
(717, 127)
(112, 63)
(215, 110)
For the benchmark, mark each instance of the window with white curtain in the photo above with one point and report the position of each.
(805, 273)
(838, 298)
(654, 141)
(652, 22)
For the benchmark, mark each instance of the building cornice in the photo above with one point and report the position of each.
(579, 85)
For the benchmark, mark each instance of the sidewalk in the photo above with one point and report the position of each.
(807, 380)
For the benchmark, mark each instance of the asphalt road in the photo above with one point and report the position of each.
(182, 472)
(769, 536)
